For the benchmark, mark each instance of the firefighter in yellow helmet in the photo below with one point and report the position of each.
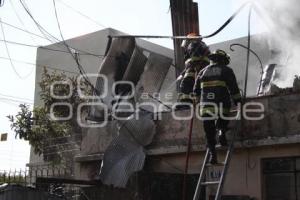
(216, 87)
(195, 56)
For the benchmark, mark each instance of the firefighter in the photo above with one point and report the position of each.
(215, 88)
(195, 56)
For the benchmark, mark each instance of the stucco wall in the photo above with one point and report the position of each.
(244, 176)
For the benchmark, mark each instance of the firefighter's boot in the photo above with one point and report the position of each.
(213, 155)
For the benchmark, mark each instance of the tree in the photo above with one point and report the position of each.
(36, 126)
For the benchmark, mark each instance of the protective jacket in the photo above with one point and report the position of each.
(216, 84)
(195, 57)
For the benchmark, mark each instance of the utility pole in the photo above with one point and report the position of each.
(185, 20)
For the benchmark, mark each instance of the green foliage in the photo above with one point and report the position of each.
(38, 129)
(36, 126)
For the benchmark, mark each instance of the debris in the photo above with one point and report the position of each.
(125, 154)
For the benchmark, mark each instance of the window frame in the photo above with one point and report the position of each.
(294, 171)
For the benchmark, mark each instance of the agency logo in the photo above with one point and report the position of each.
(111, 103)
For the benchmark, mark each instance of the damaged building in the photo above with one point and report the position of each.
(144, 157)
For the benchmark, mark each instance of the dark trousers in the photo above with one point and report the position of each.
(211, 127)
(187, 85)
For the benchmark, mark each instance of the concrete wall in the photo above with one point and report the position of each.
(244, 176)
(280, 125)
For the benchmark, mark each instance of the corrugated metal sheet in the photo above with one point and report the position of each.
(153, 77)
(134, 69)
(184, 20)
(125, 155)
(113, 67)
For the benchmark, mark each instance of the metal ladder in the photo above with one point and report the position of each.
(202, 183)
(229, 150)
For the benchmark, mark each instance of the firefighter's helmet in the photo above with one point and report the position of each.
(220, 56)
(186, 42)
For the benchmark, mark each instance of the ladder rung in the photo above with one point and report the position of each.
(212, 165)
(211, 183)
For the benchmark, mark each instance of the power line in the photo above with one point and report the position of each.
(20, 19)
(16, 97)
(23, 30)
(46, 48)
(14, 100)
(83, 52)
(41, 66)
(46, 34)
(82, 14)
(81, 70)
(41, 29)
(8, 54)
(9, 102)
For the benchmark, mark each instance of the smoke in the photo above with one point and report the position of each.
(281, 19)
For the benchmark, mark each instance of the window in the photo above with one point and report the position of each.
(3, 137)
(281, 177)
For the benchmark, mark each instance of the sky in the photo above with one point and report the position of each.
(139, 17)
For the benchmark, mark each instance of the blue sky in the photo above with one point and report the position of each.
(132, 16)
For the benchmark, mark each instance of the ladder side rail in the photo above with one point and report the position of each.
(198, 187)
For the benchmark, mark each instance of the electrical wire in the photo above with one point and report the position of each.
(246, 81)
(8, 54)
(20, 29)
(44, 32)
(16, 97)
(14, 100)
(8, 102)
(185, 37)
(159, 101)
(50, 49)
(82, 52)
(81, 70)
(20, 19)
(248, 51)
(82, 14)
(259, 60)
(229, 20)
(40, 66)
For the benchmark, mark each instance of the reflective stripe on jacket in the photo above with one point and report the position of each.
(217, 84)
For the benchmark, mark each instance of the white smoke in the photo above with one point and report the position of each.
(282, 19)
